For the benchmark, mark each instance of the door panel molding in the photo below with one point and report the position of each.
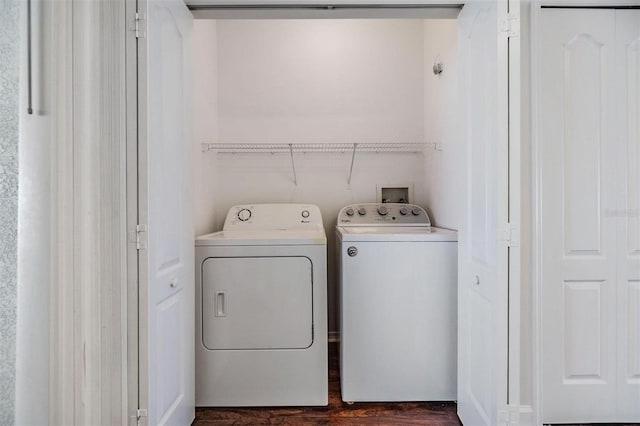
(633, 327)
(582, 142)
(582, 350)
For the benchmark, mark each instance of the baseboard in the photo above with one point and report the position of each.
(334, 336)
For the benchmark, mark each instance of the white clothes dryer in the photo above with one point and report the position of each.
(261, 308)
(398, 304)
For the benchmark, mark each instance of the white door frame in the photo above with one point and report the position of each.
(509, 131)
(506, 50)
(133, 262)
(514, 122)
(536, 231)
(88, 321)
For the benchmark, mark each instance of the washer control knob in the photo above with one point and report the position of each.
(383, 210)
(305, 213)
(362, 211)
(415, 211)
(349, 212)
(244, 215)
(404, 211)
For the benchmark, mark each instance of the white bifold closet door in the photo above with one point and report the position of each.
(589, 142)
(166, 289)
(628, 215)
(482, 253)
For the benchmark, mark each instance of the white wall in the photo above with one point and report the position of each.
(444, 179)
(320, 81)
(205, 99)
(281, 81)
(526, 219)
(9, 137)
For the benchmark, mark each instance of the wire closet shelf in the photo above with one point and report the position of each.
(303, 148)
(306, 148)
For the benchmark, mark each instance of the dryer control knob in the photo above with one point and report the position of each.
(404, 211)
(362, 211)
(415, 211)
(349, 212)
(305, 213)
(244, 215)
(383, 210)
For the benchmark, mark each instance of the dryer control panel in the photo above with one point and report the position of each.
(383, 214)
(262, 217)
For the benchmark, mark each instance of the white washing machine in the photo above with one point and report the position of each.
(261, 308)
(398, 298)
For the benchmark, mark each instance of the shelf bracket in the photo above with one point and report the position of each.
(293, 165)
(353, 158)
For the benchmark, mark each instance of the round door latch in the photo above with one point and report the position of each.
(352, 251)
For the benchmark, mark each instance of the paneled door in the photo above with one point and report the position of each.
(166, 306)
(589, 237)
(628, 214)
(483, 251)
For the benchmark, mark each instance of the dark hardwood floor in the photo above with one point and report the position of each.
(337, 412)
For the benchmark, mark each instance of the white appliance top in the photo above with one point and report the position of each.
(388, 222)
(269, 224)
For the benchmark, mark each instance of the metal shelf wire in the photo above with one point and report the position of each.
(307, 148)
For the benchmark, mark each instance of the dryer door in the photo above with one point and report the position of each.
(257, 303)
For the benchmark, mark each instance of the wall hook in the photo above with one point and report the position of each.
(438, 66)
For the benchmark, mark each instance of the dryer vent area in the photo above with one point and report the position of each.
(262, 84)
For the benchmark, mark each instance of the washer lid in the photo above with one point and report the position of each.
(400, 233)
(288, 237)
